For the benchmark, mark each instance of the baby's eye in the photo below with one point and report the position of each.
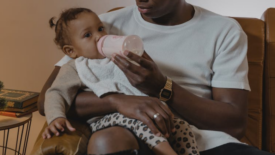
(101, 29)
(87, 35)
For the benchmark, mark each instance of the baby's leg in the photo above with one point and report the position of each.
(159, 145)
(163, 148)
(183, 140)
(139, 128)
(114, 119)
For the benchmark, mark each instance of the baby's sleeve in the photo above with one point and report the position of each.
(61, 94)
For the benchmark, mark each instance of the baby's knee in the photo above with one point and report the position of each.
(112, 139)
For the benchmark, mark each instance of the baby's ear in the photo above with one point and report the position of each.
(69, 50)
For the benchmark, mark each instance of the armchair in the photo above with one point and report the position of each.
(261, 116)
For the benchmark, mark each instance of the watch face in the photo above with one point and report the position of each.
(166, 93)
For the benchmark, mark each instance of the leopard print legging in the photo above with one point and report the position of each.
(182, 141)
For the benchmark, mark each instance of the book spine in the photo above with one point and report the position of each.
(13, 104)
(11, 114)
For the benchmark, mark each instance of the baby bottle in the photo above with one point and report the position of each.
(110, 44)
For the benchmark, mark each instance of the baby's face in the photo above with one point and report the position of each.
(84, 32)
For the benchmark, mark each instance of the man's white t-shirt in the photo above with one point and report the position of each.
(207, 51)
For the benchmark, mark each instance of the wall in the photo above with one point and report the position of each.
(28, 53)
(236, 8)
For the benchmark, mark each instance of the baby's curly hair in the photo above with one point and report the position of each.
(61, 35)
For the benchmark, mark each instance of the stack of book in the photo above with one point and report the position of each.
(17, 102)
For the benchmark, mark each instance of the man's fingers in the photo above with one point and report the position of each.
(146, 63)
(146, 56)
(170, 115)
(130, 70)
(162, 120)
(167, 121)
(69, 126)
(161, 124)
(126, 66)
(135, 74)
(167, 115)
(155, 113)
(147, 120)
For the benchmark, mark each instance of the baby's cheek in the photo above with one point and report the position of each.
(97, 54)
(100, 56)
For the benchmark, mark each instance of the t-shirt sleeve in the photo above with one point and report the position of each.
(63, 61)
(230, 66)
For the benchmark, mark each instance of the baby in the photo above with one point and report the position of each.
(77, 33)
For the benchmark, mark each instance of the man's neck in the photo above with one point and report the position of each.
(181, 14)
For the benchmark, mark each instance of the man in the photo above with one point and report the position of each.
(204, 56)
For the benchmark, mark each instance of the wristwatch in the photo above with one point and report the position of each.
(166, 92)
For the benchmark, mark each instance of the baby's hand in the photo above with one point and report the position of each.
(56, 126)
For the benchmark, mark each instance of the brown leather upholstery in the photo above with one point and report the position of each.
(269, 83)
(255, 31)
(261, 109)
(69, 143)
(114, 9)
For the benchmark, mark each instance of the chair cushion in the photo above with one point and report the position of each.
(255, 31)
(269, 81)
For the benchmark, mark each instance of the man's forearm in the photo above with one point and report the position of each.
(210, 114)
(88, 105)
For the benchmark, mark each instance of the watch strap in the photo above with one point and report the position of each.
(167, 90)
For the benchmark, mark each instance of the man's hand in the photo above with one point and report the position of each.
(56, 126)
(146, 77)
(144, 108)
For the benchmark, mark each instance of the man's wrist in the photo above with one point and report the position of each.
(157, 90)
(166, 92)
(111, 100)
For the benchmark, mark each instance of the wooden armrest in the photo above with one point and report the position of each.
(69, 143)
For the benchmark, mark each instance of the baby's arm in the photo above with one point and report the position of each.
(60, 95)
